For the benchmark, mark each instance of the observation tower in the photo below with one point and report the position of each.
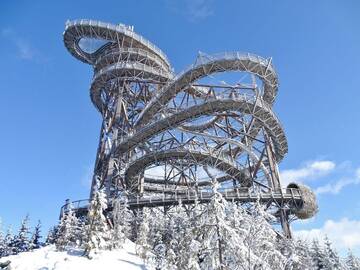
(167, 137)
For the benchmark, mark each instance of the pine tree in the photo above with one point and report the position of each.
(67, 230)
(212, 244)
(352, 262)
(317, 255)
(97, 230)
(9, 243)
(21, 241)
(332, 260)
(259, 239)
(122, 217)
(274, 256)
(2, 241)
(157, 221)
(171, 259)
(212, 226)
(303, 259)
(35, 239)
(187, 247)
(80, 232)
(222, 246)
(176, 239)
(159, 251)
(187, 229)
(51, 238)
(193, 258)
(142, 244)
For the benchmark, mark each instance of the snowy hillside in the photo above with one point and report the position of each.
(47, 258)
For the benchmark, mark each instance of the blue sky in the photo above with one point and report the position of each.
(50, 128)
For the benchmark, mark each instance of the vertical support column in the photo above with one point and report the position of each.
(97, 160)
(141, 182)
(104, 164)
(284, 218)
(110, 185)
(246, 141)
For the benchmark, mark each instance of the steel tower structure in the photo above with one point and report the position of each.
(167, 137)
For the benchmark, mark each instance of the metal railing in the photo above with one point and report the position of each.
(121, 28)
(239, 194)
(204, 59)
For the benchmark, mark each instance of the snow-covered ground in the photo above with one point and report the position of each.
(47, 258)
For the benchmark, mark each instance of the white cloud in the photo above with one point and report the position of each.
(344, 234)
(199, 9)
(337, 186)
(310, 171)
(194, 10)
(322, 165)
(23, 48)
(318, 169)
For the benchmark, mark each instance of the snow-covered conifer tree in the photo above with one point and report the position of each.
(303, 258)
(67, 229)
(332, 260)
(177, 239)
(9, 243)
(122, 217)
(159, 251)
(97, 231)
(157, 222)
(238, 218)
(193, 256)
(187, 247)
(3, 246)
(35, 239)
(142, 244)
(222, 247)
(262, 240)
(352, 262)
(21, 241)
(213, 228)
(80, 233)
(317, 255)
(171, 259)
(51, 238)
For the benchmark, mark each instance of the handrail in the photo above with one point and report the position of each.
(120, 28)
(291, 194)
(206, 59)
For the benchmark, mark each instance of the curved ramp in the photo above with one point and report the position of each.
(220, 162)
(75, 30)
(231, 62)
(123, 71)
(243, 104)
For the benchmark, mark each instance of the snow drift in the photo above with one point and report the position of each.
(47, 258)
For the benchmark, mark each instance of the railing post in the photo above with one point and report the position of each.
(67, 204)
